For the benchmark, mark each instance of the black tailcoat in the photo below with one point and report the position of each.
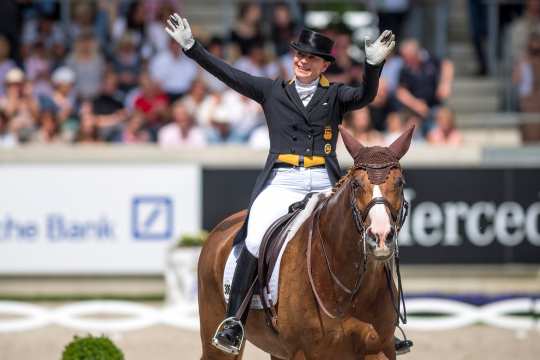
(293, 127)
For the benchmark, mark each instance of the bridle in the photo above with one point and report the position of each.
(359, 218)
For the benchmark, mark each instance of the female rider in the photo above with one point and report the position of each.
(303, 115)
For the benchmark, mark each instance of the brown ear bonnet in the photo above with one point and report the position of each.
(377, 160)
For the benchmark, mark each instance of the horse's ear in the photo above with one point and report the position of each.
(401, 145)
(353, 146)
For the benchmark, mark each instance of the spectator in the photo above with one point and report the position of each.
(283, 28)
(133, 22)
(87, 18)
(63, 98)
(260, 138)
(10, 27)
(520, 29)
(155, 31)
(478, 25)
(19, 104)
(424, 82)
(445, 131)
(134, 131)
(194, 99)
(38, 67)
(527, 76)
(173, 70)
(392, 15)
(88, 131)
(49, 128)
(7, 138)
(182, 131)
(108, 110)
(286, 65)
(6, 63)
(340, 70)
(88, 64)
(409, 118)
(127, 62)
(152, 102)
(215, 120)
(230, 117)
(359, 122)
(247, 28)
(394, 128)
(254, 62)
(44, 30)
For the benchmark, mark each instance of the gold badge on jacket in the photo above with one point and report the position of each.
(327, 133)
(327, 149)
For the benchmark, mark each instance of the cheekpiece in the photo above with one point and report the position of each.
(377, 161)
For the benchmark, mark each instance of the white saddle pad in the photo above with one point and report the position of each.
(230, 266)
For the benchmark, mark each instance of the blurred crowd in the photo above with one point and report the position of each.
(113, 75)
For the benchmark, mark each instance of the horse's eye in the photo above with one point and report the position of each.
(400, 182)
(357, 184)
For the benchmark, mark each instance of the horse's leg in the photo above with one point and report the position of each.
(388, 353)
(210, 274)
(364, 335)
(379, 356)
(211, 314)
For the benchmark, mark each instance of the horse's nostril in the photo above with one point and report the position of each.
(390, 237)
(371, 239)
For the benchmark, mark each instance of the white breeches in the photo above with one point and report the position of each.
(283, 187)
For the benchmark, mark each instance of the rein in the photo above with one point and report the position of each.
(359, 218)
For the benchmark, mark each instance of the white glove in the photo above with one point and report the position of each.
(180, 31)
(379, 50)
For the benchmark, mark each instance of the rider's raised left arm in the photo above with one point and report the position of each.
(351, 98)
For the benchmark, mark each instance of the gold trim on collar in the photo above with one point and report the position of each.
(323, 81)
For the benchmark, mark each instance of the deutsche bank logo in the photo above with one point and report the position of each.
(152, 217)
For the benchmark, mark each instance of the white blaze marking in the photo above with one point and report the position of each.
(380, 221)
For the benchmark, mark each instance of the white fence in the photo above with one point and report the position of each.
(184, 315)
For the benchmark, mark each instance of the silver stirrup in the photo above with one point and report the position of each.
(229, 349)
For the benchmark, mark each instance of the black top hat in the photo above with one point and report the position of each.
(312, 42)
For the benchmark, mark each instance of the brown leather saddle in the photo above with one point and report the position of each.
(269, 251)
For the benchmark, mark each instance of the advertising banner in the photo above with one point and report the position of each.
(456, 216)
(94, 219)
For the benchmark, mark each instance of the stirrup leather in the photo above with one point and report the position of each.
(230, 349)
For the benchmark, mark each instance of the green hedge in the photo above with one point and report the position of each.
(92, 348)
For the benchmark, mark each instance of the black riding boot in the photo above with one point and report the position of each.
(231, 332)
(402, 346)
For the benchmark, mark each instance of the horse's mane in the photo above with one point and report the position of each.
(343, 179)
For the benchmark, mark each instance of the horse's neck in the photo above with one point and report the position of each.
(344, 242)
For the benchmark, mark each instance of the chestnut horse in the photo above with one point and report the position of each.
(335, 298)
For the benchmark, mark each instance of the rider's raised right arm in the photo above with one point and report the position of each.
(254, 87)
